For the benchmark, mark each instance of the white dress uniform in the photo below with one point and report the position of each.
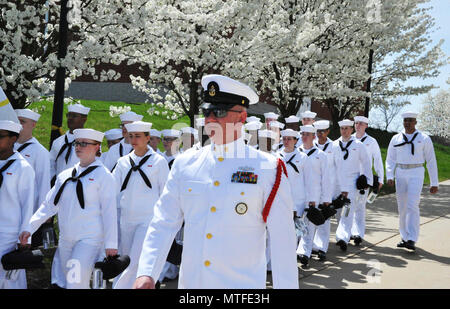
(116, 152)
(17, 190)
(359, 221)
(136, 203)
(318, 190)
(224, 232)
(83, 232)
(322, 236)
(407, 168)
(39, 159)
(350, 163)
(67, 157)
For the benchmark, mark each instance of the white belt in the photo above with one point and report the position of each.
(409, 166)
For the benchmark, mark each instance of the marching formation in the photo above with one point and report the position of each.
(223, 204)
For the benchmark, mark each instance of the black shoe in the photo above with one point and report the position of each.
(357, 240)
(401, 244)
(322, 255)
(342, 244)
(410, 245)
(352, 237)
(304, 260)
(157, 285)
(314, 252)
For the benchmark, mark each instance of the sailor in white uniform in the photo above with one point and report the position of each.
(113, 136)
(266, 140)
(171, 143)
(308, 118)
(293, 122)
(155, 140)
(269, 117)
(187, 138)
(352, 164)
(124, 147)
(276, 127)
(253, 128)
(140, 176)
(222, 193)
(17, 190)
(359, 222)
(86, 209)
(406, 155)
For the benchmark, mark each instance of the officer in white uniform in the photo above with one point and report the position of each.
(155, 139)
(221, 192)
(62, 154)
(407, 152)
(171, 143)
(87, 214)
(141, 176)
(124, 147)
(322, 236)
(17, 190)
(317, 187)
(359, 222)
(351, 161)
(113, 136)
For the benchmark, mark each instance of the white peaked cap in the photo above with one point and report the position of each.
(78, 108)
(309, 114)
(345, 123)
(89, 134)
(200, 122)
(276, 124)
(361, 119)
(138, 126)
(292, 119)
(271, 115)
(9, 125)
(27, 113)
(229, 85)
(188, 130)
(321, 124)
(171, 133)
(267, 133)
(308, 128)
(154, 132)
(130, 116)
(290, 132)
(252, 118)
(410, 114)
(254, 125)
(113, 134)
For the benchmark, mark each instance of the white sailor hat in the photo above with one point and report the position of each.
(130, 116)
(292, 119)
(271, 115)
(321, 124)
(276, 124)
(308, 128)
(267, 134)
(78, 108)
(154, 132)
(223, 92)
(9, 125)
(89, 134)
(290, 132)
(113, 134)
(361, 119)
(252, 118)
(345, 123)
(200, 122)
(138, 126)
(254, 125)
(410, 114)
(27, 113)
(188, 130)
(309, 114)
(171, 133)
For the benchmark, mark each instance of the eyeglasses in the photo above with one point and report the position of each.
(218, 112)
(83, 144)
(3, 136)
(169, 139)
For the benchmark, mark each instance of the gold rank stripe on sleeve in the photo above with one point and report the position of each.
(4, 102)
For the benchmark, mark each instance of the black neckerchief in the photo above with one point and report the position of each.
(23, 147)
(135, 168)
(346, 148)
(292, 164)
(69, 149)
(324, 147)
(4, 168)
(408, 142)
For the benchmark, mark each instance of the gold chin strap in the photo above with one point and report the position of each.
(60, 129)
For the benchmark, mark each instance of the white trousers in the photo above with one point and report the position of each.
(131, 241)
(306, 242)
(18, 279)
(408, 185)
(344, 228)
(171, 271)
(322, 237)
(359, 219)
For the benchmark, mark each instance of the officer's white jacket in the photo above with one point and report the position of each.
(224, 232)
(423, 152)
(317, 176)
(39, 159)
(113, 154)
(97, 221)
(296, 179)
(16, 195)
(137, 201)
(57, 166)
(357, 163)
(374, 152)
